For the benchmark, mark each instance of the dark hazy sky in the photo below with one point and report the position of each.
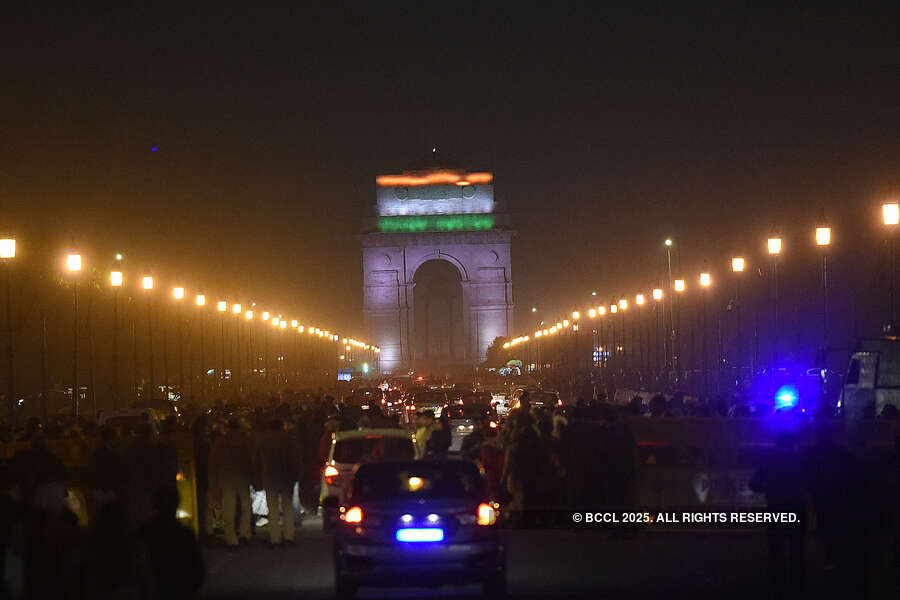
(606, 132)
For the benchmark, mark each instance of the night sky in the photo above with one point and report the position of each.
(606, 131)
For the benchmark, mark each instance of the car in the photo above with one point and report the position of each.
(349, 449)
(419, 523)
(463, 420)
(427, 400)
(131, 419)
(537, 398)
(476, 399)
(366, 398)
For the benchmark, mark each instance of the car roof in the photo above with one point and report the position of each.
(419, 464)
(362, 433)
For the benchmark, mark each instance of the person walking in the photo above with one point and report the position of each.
(281, 464)
(231, 471)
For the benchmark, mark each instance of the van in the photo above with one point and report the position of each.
(873, 379)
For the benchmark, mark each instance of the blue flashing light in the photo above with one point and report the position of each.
(420, 534)
(154, 149)
(786, 397)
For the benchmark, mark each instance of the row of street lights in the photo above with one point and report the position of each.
(74, 266)
(739, 263)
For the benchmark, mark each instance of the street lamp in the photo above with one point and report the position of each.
(7, 254)
(222, 307)
(705, 283)
(774, 247)
(657, 295)
(823, 240)
(178, 295)
(738, 264)
(147, 285)
(890, 212)
(679, 286)
(200, 302)
(74, 265)
(116, 279)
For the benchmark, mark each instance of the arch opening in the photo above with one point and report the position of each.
(438, 326)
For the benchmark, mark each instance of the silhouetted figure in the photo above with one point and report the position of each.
(231, 471)
(114, 563)
(438, 443)
(782, 478)
(173, 553)
(281, 464)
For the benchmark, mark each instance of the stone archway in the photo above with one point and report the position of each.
(438, 331)
(436, 212)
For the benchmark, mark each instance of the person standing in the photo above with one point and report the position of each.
(231, 470)
(280, 461)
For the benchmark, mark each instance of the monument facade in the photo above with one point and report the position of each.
(436, 269)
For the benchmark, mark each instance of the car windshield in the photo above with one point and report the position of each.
(387, 481)
(373, 448)
(466, 412)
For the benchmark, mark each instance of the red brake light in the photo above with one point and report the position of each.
(353, 515)
(330, 473)
(486, 514)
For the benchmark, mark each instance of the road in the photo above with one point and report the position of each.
(542, 564)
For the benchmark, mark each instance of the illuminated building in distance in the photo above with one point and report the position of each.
(436, 268)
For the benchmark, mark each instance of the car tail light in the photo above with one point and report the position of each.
(486, 514)
(353, 515)
(559, 402)
(331, 473)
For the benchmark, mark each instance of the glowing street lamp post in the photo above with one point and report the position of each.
(679, 286)
(7, 254)
(116, 279)
(737, 267)
(705, 282)
(74, 266)
(200, 302)
(639, 301)
(222, 306)
(657, 298)
(147, 284)
(773, 245)
(890, 212)
(237, 310)
(823, 240)
(178, 295)
(265, 321)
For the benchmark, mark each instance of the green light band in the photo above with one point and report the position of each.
(435, 223)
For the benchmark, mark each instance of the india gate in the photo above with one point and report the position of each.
(436, 269)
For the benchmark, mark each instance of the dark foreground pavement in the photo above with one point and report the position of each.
(542, 564)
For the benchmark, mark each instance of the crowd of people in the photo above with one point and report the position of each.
(540, 463)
